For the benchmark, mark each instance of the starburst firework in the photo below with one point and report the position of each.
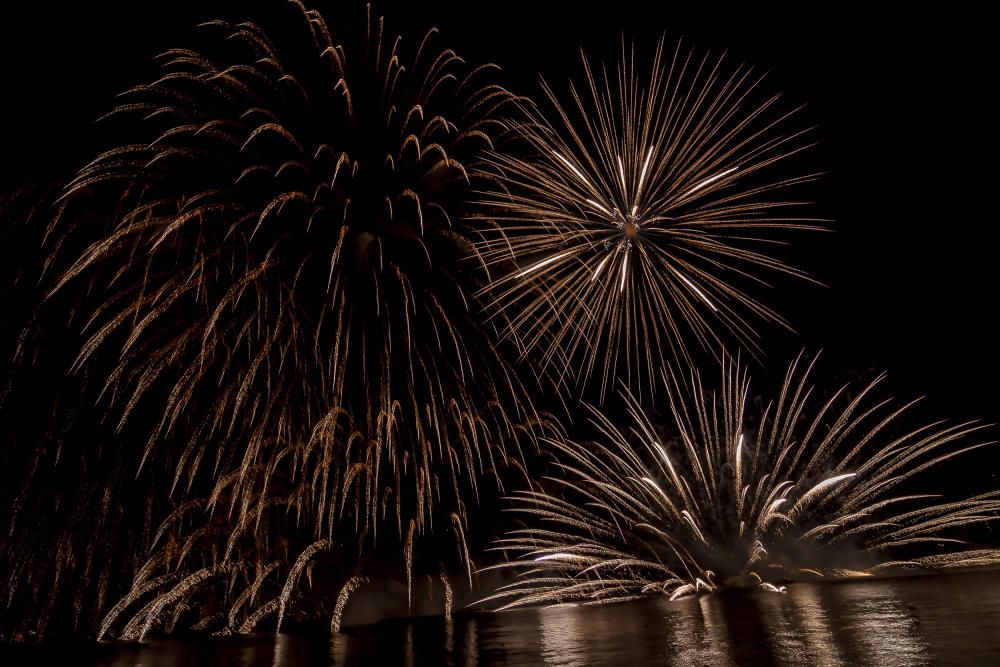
(816, 489)
(639, 217)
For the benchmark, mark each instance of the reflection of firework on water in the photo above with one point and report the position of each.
(646, 209)
(271, 304)
(817, 488)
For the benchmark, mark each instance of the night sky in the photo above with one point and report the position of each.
(901, 101)
(900, 106)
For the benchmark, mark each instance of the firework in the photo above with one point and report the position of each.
(61, 519)
(266, 271)
(817, 488)
(284, 255)
(642, 215)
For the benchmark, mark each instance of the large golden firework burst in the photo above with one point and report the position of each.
(640, 217)
(266, 273)
(282, 252)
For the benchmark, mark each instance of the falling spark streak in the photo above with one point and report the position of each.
(600, 267)
(576, 171)
(826, 483)
(642, 175)
(560, 557)
(449, 597)
(708, 181)
(345, 593)
(611, 171)
(544, 263)
(695, 288)
(620, 506)
(599, 207)
(624, 268)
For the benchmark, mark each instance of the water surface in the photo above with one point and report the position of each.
(939, 620)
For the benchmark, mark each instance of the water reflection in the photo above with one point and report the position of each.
(849, 624)
(933, 620)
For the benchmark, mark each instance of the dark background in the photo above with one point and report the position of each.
(902, 100)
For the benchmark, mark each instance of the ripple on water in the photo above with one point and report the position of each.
(951, 619)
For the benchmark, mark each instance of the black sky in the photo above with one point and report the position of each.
(902, 100)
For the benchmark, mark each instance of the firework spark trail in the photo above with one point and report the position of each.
(640, 217)
(449, 597)
(274, 302)
(813, 489)
(345, 594)
(255, 327)
(60, 550)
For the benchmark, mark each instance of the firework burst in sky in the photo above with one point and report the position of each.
(281, 262)
(264, 353)
(266, 271)
(810, 487)
(641, 216)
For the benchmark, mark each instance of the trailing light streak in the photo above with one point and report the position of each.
(544, 263)
(576, 171)
(709, 181)
(600, 266)
(599, 207)
(621, 287)
(642, 175)
(701, 294)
